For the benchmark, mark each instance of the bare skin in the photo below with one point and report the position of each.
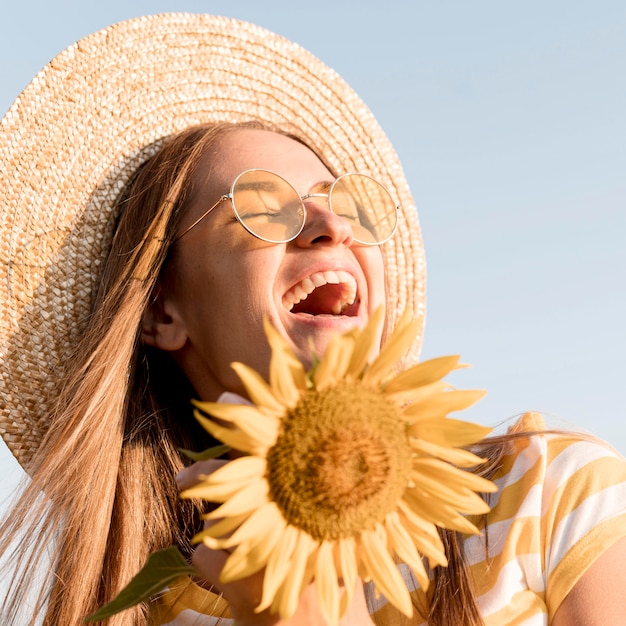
(599, 597)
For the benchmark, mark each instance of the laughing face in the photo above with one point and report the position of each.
(224, 281)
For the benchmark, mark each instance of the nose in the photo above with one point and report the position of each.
(322, 226)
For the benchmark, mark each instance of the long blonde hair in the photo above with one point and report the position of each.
(102, 496)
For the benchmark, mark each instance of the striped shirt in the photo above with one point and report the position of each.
(561, 503)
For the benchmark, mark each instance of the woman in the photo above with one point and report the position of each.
(97, 381)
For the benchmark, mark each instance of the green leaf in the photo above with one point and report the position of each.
(162, 568)
(209, 453)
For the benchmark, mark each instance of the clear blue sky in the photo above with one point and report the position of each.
(509, 119)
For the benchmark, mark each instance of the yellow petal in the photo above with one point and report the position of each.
(335, 362)
(421, 524)
(243, 468)
(261, 523)
(326, 583)
(347, 569)
(457, 496)
(424, 534)
(239, 438)
(214, 493)
(444, 403)
(220, 528)
(250, 557)
(259, 392)
(408, 397)
(392, 352)
(456, 456)
(258, 425)
(279, 566)
(445, 473)
(287, 381)
(365, 343)
(437, 512)
(288, 596)
(287, 375)
(404, 547)
(246, 500)
(447, 431)
(422, 374)
(383, 571)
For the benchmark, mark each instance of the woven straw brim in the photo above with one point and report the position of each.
(72, 139)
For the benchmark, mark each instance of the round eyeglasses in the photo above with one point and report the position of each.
(269, 207)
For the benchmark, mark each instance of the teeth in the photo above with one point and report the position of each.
(318, 280)
(300, 291)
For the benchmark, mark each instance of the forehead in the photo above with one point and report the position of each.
(252, 148)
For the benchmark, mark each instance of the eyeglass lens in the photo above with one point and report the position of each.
(270, 208)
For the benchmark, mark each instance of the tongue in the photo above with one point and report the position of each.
(320, 301)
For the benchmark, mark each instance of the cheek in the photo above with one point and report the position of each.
(374, 269)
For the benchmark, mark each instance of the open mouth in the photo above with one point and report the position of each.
(323, 293)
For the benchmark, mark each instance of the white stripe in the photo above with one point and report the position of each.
(573, 527)
(500, 531)
(572, 459)
(518, 575)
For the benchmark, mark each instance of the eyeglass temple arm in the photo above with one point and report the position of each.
(222, 198)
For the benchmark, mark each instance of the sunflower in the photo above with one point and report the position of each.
(348, 467)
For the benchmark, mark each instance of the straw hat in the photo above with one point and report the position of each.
(73, 138)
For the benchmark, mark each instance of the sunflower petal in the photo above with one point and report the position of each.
(456, 456)
(392, 352)
(424, 534)
(448, 431)
(261, 523)
(335, 363)
(347, 569)
(287, 375)
(243, 468)
(459, 497)
(259, 392)
(252, 421)
(404, 546)
(288, 596)
(214, 492)
(383, 571)
(445, 403)
(279, 565)
(439, 513)
(423, 373)
(326, 583)
(450, 475)
(249, 557)
(408, 397)
(364, 344)
(220, 528)
(246, 500)
(245, 439)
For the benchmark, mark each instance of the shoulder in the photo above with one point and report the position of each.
(561, 503)
(557, 463)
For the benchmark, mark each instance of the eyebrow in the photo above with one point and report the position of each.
(322, 187)
(257, 185)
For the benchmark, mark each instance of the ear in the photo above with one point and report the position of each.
(162, 327)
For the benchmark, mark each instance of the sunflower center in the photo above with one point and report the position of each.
(341, 461)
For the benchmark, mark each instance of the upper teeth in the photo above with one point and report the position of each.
(300, 291)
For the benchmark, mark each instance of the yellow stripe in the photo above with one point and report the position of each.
(581, 556)
(187, 595)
